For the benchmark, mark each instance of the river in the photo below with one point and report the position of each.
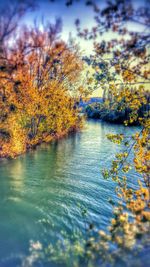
(40, 192)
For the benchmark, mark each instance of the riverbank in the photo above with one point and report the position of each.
(115, 116)
(7, 152)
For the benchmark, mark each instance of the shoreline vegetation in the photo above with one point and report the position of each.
(91, 109)
(48, 138)
(41, 84)
(114, 114)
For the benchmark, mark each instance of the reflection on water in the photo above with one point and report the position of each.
(40, 191)
(16, 171)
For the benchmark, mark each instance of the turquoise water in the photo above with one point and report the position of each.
(41, 190)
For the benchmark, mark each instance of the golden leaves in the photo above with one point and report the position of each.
(40, 100)
(128, 75)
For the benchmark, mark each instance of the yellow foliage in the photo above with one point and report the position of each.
(38, 100)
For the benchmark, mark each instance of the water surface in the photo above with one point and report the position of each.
(40, 191)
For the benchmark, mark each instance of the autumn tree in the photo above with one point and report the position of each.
(41, 78)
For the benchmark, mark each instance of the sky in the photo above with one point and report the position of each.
(52, 9)
(49, 10)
